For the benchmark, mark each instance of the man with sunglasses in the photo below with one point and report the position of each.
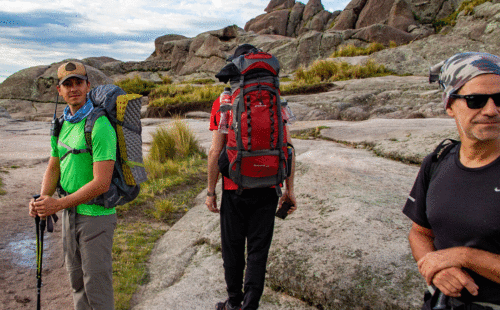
(455, 236)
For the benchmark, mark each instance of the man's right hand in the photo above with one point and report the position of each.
(290, 197)
(211, 203)
(451, 281)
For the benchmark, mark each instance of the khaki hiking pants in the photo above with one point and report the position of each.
(87, 242)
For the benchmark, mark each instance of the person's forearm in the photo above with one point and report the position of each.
(50, 177)
(420, 243)
(289, 182)
(212, 170)
(86, 193)
(482, 262)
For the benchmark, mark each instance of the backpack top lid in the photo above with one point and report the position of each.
(105, 96)
(241, 50)
(257, 61)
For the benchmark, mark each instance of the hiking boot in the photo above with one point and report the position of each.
(226, 306)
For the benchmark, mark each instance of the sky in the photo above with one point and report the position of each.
(36, 32)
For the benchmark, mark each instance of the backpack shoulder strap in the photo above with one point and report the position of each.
(89, 126)
(56, 130)
(56, 126)
(437, 156)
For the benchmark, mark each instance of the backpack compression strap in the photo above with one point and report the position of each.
(71, 150)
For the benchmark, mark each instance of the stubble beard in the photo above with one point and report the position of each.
(480, 135)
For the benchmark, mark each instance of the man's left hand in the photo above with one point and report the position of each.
(211, 203)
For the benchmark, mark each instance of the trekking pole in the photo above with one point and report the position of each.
(40, 227)
(41, 224)
(440, 302)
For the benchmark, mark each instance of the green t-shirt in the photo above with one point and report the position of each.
(76, 169)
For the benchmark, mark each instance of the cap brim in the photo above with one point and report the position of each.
(82, 77)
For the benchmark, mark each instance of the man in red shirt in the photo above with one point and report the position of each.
(246, 219)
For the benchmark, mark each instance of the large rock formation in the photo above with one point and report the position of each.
(299, 43)
(290, 18)
(479, 32)
(39, 83)
(399, 14)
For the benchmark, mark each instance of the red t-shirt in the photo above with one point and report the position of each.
(214, 125)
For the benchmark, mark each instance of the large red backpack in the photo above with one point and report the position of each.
(256, 141)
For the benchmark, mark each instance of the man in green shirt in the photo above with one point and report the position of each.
(87, 228)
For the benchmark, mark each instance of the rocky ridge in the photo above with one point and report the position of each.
(202, 56)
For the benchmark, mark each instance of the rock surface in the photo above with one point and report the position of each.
(346, 245)
(388, 97)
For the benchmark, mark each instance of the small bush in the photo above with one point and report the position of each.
(2, 191)
(166, 79)
(331, 71)
(176, 141)
(301, 88)
(467, 7)
(173, 94)
(136, 86)
(351, 50)
(163, 146)
(199, 81)
(163, 208)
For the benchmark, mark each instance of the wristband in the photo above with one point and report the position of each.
(209, 194)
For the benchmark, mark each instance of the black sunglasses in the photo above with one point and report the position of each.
(478, 101)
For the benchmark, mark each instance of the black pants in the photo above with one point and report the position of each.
(247, 218)
(448, 303)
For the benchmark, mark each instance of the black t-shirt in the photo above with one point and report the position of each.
(462, 207)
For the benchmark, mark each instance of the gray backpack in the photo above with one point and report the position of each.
(123, 112)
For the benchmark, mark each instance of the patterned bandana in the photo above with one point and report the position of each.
(457, 70)
(82, 113)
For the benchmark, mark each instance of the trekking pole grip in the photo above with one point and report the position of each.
(36, 197)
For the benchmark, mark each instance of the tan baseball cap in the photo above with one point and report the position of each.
(71, 69)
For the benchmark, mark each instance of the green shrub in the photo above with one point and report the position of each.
(2, 191)
(199, 81)
(163, 146)
(467, 7)
(351, 50)
(174, 94)
(331, 71)
(301, 88)
(175, 141)
(163, 208)
(166, 79)
(136, 86)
